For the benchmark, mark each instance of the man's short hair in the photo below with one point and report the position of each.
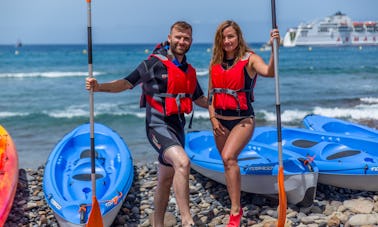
(181, 26)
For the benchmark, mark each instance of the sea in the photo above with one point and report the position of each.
(43, 95)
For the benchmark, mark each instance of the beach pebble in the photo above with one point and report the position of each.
(209, 204)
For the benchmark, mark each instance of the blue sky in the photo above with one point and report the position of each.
(148, 21)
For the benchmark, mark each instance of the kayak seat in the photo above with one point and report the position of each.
(304, 143)
(87, 154)
(332, 151)
(80, 180)
(82, 168)
(343, 154)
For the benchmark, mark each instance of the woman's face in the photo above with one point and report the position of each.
(230, 41)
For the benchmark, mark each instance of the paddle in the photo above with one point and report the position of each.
(95, 218)
(281, 187)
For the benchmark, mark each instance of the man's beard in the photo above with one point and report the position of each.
(174, 50)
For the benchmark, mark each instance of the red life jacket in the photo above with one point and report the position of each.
(180, 89)
(229, 90)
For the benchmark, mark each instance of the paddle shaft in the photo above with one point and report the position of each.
(277, 84)
(280, 180)
(95, 217)
(91, 102)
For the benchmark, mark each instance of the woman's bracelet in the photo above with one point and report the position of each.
(212, 117)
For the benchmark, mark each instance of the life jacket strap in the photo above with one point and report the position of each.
(233, 93)
(176, 96)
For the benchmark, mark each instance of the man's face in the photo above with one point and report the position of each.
(180, 41)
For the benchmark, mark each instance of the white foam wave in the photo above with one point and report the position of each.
(201, 113)
(113, 109)
(52, 74)
(359, 112)
(286, 116)
(11, 114)
(370, 100)
(100, 108)
(202, 72)
(70, 112)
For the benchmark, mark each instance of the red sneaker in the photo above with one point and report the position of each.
(235, 219)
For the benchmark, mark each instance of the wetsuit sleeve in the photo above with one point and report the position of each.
(136, 76)
(198, 92)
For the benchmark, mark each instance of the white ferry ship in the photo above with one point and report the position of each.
(334, 30)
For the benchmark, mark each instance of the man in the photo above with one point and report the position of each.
(169, 85)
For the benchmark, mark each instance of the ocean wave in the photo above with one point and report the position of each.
(362, 111)
(100, 109)
(370, 100)
(287, 116)
(202, 72)
(356, 113)
(12, 114)
(52, 74)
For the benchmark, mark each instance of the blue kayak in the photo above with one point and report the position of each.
(258, 167)
(67, 182)
(343, 161)
(329, 124)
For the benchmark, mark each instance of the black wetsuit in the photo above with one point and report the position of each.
(162, 131)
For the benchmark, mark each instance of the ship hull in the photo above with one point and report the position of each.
(335, 30)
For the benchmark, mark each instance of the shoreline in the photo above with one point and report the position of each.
(140, 159)
(209, 203)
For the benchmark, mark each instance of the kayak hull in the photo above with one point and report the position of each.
(343, 161)
(8, 173)
(67, 178)
(258, 167)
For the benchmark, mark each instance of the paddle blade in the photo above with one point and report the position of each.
(95, 218)
(282, 198)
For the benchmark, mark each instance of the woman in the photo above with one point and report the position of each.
(233, 72)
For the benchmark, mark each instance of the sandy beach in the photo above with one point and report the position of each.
(209, 204)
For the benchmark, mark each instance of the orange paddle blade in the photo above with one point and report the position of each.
(95, 218)
(282, 198)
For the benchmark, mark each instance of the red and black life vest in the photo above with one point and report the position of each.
(180, 88)
(229, 88)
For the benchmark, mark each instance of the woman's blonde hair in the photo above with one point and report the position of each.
(218, 52)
